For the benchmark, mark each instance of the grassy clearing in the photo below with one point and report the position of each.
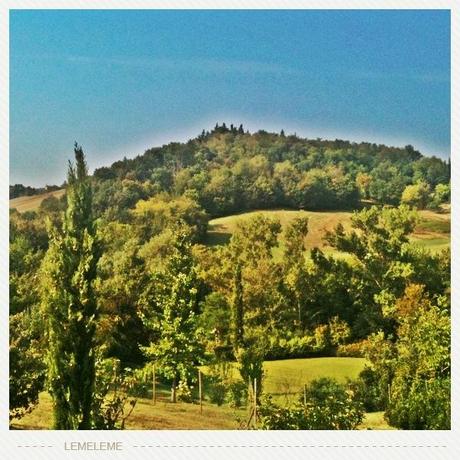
(375, 421)
(221, 229)
(32, 203)
(290, 375)
(432, 232)
(284, 379)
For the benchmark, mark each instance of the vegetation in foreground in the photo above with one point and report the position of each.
(284, 380)
(123, 264)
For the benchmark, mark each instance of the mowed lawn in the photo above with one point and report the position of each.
(284, 379)
(432, 232)
(32, 203)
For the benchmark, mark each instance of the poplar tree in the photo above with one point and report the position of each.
(238, 308)
(70, 305)
(174, 320)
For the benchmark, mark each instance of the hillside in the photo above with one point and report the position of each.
(32, 203)
(130, 246)
(229, 171)
(432, 231)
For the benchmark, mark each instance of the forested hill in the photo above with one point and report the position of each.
(229, 170)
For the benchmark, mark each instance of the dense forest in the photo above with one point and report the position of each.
(119, 272)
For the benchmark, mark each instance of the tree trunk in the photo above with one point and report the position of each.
(173, 390)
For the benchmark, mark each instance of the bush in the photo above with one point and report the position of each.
(368, 391)
(251, 361)
(329, 406)
(322, 337)
(237, 393)
(112, 404)
(352, 350)
(27, 368)
(215, 381)
(420, 404)
(184, 392)
(306, 346)
(339, 331)
(216, 392)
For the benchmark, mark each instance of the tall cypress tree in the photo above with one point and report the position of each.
(70, 305)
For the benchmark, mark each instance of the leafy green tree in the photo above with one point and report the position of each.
(387, 184)
(441, 195)
(70, 305)
(420, 389)
(122, 277)
(363, 181)
(157, 213)
(431, 170)
(215, 320)
(383, 263)
(295, 271)
(238, 308)
(178, 346)
(27, 367)
(416, 195)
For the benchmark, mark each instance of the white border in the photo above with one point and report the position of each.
(227, 444)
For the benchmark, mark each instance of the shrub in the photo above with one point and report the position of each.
(27, 369)
(184, 392)
(251, 361)
(322, 337)
(295, 347)
(112, 404)
(216, 392)
(339, 331)
(329, 406)
(352, 350)
(237, 393)
(368, 391)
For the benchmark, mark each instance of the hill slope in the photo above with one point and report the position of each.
(32, 203)
(432, 232)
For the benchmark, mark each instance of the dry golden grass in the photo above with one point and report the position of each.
(432, 232)
(32, 203)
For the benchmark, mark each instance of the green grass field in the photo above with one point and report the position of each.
(432, 232)
(32, 203)
(284, 379)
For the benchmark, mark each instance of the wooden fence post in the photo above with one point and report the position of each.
(255, 403)
(154, 389)
(305, 394)
(200, 392)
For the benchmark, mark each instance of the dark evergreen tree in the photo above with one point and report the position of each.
(70, 305)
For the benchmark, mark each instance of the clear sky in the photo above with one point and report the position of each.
(119, 82)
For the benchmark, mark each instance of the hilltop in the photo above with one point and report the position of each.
(228, 170)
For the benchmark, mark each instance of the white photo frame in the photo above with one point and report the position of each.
(228, 444)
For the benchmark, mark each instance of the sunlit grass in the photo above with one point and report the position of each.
(432, 232)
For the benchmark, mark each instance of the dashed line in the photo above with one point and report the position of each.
(284, 446)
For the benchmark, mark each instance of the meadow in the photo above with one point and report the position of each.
(432, 231)
(32, 203)
(284, 379)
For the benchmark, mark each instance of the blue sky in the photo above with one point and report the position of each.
(120, 81)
